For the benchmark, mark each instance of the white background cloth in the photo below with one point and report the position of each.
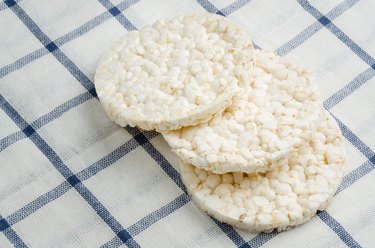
(69, 177)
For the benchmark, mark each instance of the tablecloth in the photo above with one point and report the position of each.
(69, 177)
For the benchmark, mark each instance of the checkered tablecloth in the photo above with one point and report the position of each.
(69, 177)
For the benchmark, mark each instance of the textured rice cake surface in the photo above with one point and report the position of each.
(288, 196)
(272, 116)
(175, 73)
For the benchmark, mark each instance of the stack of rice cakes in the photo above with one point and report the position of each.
(257, 150)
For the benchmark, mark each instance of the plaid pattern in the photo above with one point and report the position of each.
(71, 178)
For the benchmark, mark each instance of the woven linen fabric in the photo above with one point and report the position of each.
(69, 177)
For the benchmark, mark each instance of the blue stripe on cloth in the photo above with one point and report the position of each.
(37, 203)
(161, 213)
(10, 234)
(57, 162)
(115, 155)
(63, 108)
(208, 6)
(74, 70)
(347, 181)
(231, 233)
(84, 28)
(19, 63)
(338, 229)
(99, 208)
(256, 46)
(93, 169)
(118, 15)
(42, 37)
(13, 237)
(151, 219)
(175, 176)
(357, 174)
(261, 239)
(11, 139)
(299, 39)
(5, 142)
(234, 236)
(3, 225)
(28, 22)
(349, 88)
(234, 7)
(85, 174)
(3, 6)
(45, 119)
(91, 24)
(341, 8)
(337, 32)
(354, 140)
(314, 28)
(21, 123)
(310, 31)
(157, 156)
(338, 10)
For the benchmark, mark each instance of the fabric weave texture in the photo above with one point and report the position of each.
(69, 177)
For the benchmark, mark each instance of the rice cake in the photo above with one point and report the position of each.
(272, 116)
(287, 196)
(175, 73)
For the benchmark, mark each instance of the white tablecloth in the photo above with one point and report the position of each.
(69, 177)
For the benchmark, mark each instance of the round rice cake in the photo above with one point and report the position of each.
(175, 73)
(272, 116)
(288, 196)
